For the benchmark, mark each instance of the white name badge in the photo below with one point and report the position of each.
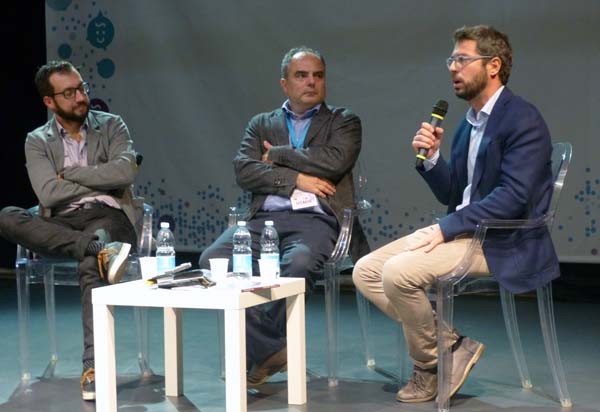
(301, 199)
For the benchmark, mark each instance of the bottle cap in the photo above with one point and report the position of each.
(164, 225)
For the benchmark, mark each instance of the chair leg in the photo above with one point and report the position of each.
(51, 316)
(23, 302)
(546, 309)
(445, 323)
(143, 335)
(514, 338)
(364, 316)
(332, 293)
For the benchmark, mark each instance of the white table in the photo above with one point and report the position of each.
(233, 301)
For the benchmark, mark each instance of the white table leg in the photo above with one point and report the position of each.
(296, 349)
(173, 352)
(235, 360)
(104, 354)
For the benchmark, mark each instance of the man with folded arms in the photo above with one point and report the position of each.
(81, 165)
(297, 162)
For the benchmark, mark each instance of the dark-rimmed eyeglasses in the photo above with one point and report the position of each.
(461, 60)
(70, 93)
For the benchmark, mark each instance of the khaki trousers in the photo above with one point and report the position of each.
(394, 279)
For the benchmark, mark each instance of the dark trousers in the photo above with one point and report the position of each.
(68, 236)
(306, 241)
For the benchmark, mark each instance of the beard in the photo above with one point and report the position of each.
(72, 116)
(472, 89)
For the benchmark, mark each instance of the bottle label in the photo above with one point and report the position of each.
(164, 263)
(242, 263)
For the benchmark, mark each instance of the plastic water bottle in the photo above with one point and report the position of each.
(269, 244)
(165, 248)
(242, 250)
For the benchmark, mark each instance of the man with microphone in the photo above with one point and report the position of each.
(499, 168)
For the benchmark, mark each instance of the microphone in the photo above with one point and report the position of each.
(437, 115)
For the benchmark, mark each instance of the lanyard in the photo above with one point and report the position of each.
(297, 141)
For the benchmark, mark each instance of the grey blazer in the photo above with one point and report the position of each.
(331, 148)
(111, 166)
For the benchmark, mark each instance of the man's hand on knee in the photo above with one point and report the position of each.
(431, 237)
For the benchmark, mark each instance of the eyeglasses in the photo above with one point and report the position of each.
(70, 93)
(461, 60)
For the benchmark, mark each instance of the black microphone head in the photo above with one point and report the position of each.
(440, 109)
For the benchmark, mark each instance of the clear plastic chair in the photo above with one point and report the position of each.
(32, 268)
(458, 281)
(340, 262)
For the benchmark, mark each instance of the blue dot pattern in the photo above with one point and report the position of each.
(86, 32)
(589, 197)
(196, 221)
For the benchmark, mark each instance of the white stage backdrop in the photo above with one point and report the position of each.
(187, 76)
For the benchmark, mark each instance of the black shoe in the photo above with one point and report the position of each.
(88, 385)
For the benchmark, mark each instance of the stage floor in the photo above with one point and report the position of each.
(492, 385)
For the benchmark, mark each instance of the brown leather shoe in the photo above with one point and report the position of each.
(260, 373)
(465, 354)
(421, 387)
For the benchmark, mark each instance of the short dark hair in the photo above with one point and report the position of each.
(43, 75)
(287, 58)
(490, 42)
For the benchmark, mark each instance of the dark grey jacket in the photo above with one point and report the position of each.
(331, 148)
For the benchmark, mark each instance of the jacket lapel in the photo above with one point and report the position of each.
(461, 155)
(317, 122)
(55, 145)
(491, 129)
(92, 139)
(280, 131)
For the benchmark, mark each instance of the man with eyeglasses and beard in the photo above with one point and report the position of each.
(81, 165)
(499, 168)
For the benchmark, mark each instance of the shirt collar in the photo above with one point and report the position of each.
(306, 115)
(480, 118)
(63, 133)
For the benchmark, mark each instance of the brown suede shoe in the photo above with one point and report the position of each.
(112, 261)
(421, 387)
(465, 354)
(260, 373)
(88, 385)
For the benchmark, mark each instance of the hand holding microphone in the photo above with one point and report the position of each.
(437, 116)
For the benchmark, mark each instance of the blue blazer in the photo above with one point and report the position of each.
(512, 180)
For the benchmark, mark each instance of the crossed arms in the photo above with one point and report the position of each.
(114, 169)
(277, 168)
